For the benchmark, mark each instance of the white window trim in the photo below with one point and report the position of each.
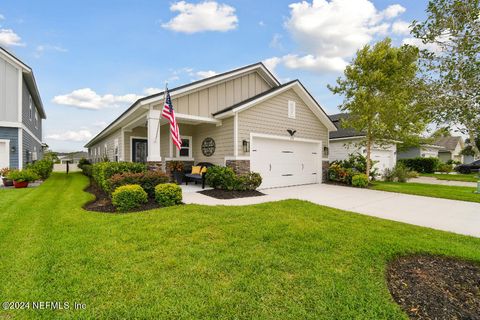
(36, 119)
(292, 106)
(30, 114)
(7, 145)
(189, 148)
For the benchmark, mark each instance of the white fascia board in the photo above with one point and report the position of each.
(14, 60)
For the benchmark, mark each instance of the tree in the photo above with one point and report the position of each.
(383, 95)
(51, 156)
(451, 62)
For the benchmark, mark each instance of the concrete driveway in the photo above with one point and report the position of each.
(449, 215)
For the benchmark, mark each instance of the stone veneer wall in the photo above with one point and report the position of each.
(154, 165)
(239, 166)
(325, 165)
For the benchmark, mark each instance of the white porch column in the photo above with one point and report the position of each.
(153, 135)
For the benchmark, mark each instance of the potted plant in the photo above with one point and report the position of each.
(6, 182)
(176, 168)
(22, 178)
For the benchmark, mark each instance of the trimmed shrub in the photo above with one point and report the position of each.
(399, 173)
(129, 197)
(103, 171)
(87, 170)
(168, 194)
(223, 178)
(422, 165)
(248, 181)
(336, 172)
(360, 180)
(445, 168)
(82, 162)
(43, 168)
(27, 175)
(147, 180)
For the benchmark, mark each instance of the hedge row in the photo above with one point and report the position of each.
(103, 171)
(421, 165)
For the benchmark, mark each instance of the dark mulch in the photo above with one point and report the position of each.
(103, 203)
(434, 287)
(225, 194)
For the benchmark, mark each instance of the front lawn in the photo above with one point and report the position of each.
(429, 190)
(282, 260)
(470, 177)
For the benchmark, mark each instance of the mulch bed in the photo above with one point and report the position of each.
(103, 203)
(225, 194)
(435, 287)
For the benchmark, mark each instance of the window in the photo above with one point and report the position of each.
(291, 109)
(186, 149)
(30, 112)
(36, 119)
(34, 155)
(105, 150)
(115, 150)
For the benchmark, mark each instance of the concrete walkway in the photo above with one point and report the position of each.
(431, 180)
(449, 215)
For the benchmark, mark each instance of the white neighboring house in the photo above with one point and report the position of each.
(422, 151)
(452, 148)
(346, 141)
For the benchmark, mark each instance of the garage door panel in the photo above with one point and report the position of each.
(283, 163)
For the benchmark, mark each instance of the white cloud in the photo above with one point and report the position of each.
(393, 11)
(100, 124)
(433, 47)
(272, 63)
(76, 136)
(203, 16)
(150, 91)
(401, 27)
(205, 74)
(2, 17)
(261, 23)
(276, 42)
(86, 98)
(9, 38)
(39, 50)
(330, 32)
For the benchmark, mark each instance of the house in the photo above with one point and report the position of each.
(244, 119)
(452, 147)
(21, 113)
(347, 141)
(422, 151)
(72, 157)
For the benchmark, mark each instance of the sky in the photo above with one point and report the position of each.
(93, 59)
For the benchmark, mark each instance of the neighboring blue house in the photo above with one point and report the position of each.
(21, 114)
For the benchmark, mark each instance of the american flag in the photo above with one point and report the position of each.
(168, 114)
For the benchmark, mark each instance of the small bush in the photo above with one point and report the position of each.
(422, 165)
(222, 178)
(248, 181)
(103, 171)
(338, 173)
(43, 168)
(445, 168)
(399, 173)
(412, 174)
(129, 197)
(27, 175)
(147, 180)
(87, 170)
(168, 194)
(83, 162)
(360, 180)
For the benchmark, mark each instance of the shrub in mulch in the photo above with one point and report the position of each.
(103, 203)
(435, 287)
(226, 194)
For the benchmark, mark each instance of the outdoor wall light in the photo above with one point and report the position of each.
(325, 151)
(246, 146)
(13, 149)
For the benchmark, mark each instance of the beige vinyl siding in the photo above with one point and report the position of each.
(204, 102)
(110, 142)
(223, 136)
(271, 117)
(136, 132)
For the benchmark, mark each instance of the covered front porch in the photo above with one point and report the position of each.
(146, 138)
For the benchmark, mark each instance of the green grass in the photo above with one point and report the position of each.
(471, 177)
(282, 260)
(429, 190)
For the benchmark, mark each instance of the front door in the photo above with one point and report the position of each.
(139, 150)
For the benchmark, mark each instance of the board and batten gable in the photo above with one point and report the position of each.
(9, 95)
(271, 117)
(206, 101)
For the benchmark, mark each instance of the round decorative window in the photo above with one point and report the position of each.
(208, 147)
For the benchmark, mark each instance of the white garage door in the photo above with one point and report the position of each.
(383, 159)
(4, 154)
(285, 162)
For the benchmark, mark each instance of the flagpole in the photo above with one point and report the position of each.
(161, 108)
